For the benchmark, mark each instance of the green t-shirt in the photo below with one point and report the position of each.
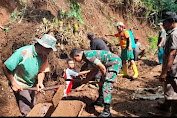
(25, 65)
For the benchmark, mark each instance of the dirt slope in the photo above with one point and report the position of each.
(122, 105)
(100, 18)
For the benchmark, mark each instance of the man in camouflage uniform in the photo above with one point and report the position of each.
(109, 65)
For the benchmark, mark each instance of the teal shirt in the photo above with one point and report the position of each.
(25, 64)
(132, 38)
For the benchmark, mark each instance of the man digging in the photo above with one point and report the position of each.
(109, 65)
(26, 67)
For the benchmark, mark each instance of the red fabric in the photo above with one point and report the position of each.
(65, 77)
(69, 87)
(68, 90)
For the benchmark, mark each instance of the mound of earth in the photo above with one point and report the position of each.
(87, 94)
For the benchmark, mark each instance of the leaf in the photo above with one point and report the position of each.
(56, 20)
(44, 20)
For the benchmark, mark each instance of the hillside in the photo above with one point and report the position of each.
(99, 16)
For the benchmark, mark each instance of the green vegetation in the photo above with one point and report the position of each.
(18, 15)
(155, 8)
(76, 10)
(153, 43)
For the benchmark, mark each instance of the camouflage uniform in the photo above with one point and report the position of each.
(112, 63)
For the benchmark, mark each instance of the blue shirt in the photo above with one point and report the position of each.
(132, 39)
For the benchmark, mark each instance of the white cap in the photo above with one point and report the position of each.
(119, 24)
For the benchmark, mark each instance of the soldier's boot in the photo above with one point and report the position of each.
(164, 106)
(99, 101)
(106, 112)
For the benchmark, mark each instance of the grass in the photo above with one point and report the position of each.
(153, 44)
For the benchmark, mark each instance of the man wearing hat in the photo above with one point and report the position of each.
(161, 42)
(126, 50)
(169, 67)
(26, 67)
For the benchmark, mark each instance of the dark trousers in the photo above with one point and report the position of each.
(170, 91)
(25, 100)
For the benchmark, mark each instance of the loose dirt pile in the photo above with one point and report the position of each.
(87, 94)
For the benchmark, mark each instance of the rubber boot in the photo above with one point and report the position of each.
(99, 101)
(106, 112)
(135, 71)
(124, 70)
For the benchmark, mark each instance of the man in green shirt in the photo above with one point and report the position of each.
(26, 67)
(109, 65)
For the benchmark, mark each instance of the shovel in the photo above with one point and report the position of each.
(58, 95)
(5, 29)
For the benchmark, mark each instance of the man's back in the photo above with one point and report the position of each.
(98, 44)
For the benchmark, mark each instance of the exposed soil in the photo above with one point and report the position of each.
(87, 94)
(6, 8)
(95, 14)
(122, 105)
(65, 108)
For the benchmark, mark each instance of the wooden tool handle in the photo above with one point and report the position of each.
(45, 89)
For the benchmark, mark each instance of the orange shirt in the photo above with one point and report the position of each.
(123, 36)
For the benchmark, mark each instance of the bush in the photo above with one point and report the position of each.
(153, 43)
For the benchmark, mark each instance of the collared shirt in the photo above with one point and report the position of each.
(25, 65)
(171, 44)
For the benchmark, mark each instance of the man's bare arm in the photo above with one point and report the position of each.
(109, 35)
(84, 72)
(10, 77)
(130, 44)
(160, 44)
(169, 63)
